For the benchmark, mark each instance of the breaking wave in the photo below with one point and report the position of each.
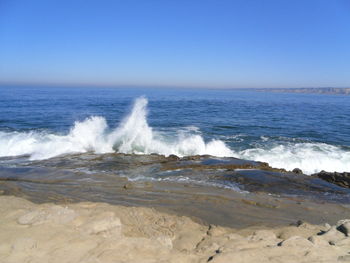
(134, 135)
(309, 157)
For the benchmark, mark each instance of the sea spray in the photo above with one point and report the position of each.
(134, 135)
(83, 137)
(310, 157)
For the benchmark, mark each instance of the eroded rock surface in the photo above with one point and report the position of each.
(98, 232)
(341, 179)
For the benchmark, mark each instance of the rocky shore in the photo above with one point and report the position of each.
(99, 232)
(341, 179)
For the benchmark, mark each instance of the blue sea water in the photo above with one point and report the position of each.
(286, 130)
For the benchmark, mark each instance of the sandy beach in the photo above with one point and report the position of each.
(99, 232)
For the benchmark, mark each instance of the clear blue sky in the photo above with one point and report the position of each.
(218, 43)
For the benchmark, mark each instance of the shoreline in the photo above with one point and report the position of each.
(54, 211)
(261, 196)
(206, 204)
(100, 232)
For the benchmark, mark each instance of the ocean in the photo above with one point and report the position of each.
(306, 131)
(55, 139)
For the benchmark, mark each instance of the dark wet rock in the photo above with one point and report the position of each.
(196, 157)
(173, 157)
(344, 226)
(207, 162)
(257, 180)
(341, 179)
(101, 174)
(337, 234)
(297, 171)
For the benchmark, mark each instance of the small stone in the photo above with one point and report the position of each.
(344, 226)
(333, 235)
(297, 171)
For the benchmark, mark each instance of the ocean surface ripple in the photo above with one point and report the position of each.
(134, 135)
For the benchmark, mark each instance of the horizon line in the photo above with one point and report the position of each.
(114, 85)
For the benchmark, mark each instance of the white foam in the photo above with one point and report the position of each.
(309, 157)
(83, 137)
(134, 135)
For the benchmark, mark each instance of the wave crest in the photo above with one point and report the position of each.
(134, 135)
(310, 157)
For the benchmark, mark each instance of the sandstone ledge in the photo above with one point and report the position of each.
(98, 232)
